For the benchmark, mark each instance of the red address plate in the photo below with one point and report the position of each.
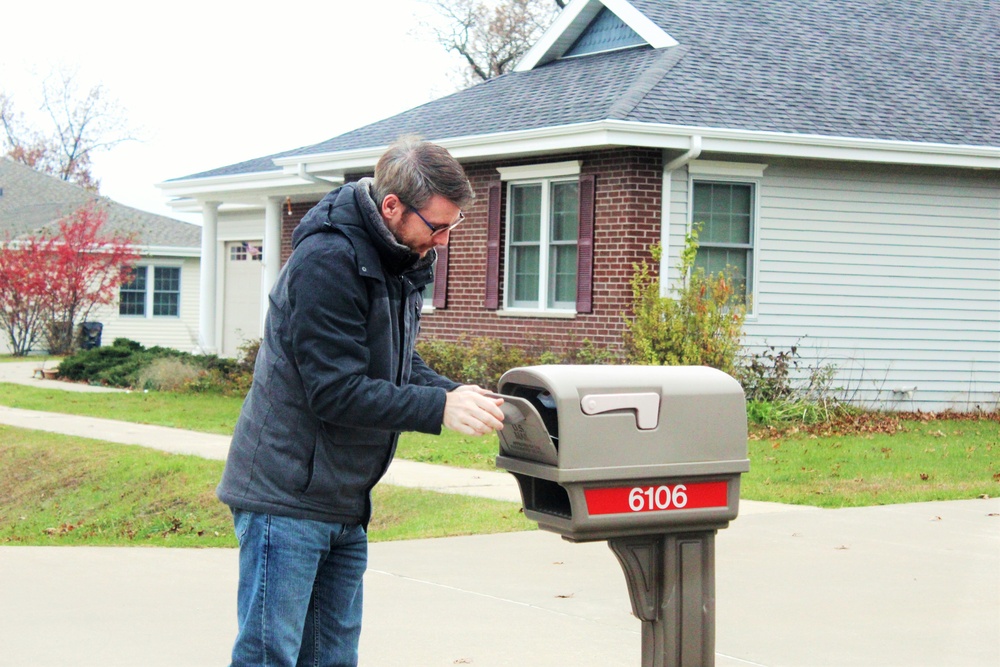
(657, 498)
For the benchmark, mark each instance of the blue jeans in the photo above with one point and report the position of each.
(300, 591)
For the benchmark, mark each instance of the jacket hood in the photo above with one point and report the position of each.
(351, 205)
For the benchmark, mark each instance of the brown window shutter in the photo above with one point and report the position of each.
(492, 301)
(585, 247)
(441, 278)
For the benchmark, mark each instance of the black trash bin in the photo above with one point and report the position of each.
(90, 335)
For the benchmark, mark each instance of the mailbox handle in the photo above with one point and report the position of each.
(646, 406)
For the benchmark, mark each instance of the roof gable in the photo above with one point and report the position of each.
(585, 19)
(606, 32)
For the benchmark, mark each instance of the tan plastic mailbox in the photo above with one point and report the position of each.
(646, 457)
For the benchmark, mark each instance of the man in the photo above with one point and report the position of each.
(336, 379)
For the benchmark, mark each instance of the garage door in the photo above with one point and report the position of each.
(241, 303)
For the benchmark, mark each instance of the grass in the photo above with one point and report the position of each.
(213, 413)
(450, 448)
(61, 490)
(930, 460)
(210, 413)
(940, 459)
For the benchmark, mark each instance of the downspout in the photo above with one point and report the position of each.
(692, 154)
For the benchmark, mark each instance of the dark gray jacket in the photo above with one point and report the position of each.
(336, 377)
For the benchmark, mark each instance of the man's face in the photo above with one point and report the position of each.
(420, 230)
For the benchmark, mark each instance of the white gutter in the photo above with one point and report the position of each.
(168, 251)
(606, 133)
(665, 193)
(240, 188)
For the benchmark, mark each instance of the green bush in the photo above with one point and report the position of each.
(126, 363)
(478, 361)
(781, 389)
(699, 323)
(483, 360)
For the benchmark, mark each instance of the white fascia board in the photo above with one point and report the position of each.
(569, 24)
(196, 206)
(317, 165)
(626, 133)
(607, 133)
(575, 18)
(238, 189)
(591, 135)
(638, 21)
(168, 251)
(196, 187)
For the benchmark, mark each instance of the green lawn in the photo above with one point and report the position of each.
(933, 460)
(61, 490)
(210, 413)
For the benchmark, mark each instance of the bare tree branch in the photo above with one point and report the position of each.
(80, 125)
(491, 35)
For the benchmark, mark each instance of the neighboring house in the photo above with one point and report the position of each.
(160, 305)
(843, 155)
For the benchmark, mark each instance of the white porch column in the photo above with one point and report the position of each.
(209, 278)
(272, 253)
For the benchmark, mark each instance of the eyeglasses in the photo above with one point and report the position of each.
(438, 229)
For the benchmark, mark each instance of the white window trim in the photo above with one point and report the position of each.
(708, 171)
(542, 310)
(165, 264)
(539, 171)
(716, 169)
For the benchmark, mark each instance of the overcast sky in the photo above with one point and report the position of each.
(214, 82)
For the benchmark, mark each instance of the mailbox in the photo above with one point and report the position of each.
(606, 451)
(646, 457)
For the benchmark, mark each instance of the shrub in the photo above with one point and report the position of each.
(781, 389)
(169, 374)
(473, 361)
(118, 365)
(483, 360)
(699, 323)
(126, 363)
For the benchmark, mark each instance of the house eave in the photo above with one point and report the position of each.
(168, 251)
(251, 190)
(246, 190)
(615, 133)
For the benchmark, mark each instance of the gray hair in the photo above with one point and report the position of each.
(415, 170)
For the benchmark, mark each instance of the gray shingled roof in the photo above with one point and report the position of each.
(916, 71)
(31, 200)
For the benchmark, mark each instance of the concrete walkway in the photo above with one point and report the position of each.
(908, 585)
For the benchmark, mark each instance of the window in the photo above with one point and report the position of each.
(726, 238)
(246, 252)
(543, 222)
(135, 299)
(132, 295)
(724, 201)
(166, 291)
(545, 239)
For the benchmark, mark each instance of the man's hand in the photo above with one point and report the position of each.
(470, 410)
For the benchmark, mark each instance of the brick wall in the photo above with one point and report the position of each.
(627, 222)
(288, 224)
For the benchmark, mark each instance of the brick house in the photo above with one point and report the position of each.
(842, 155)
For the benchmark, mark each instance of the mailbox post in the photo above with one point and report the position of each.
(646, 457)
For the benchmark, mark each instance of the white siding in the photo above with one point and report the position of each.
(241, 225)
(180, 333)
(891, 274)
